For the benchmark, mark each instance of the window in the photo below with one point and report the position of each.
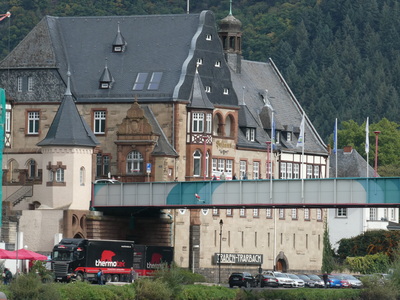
(316, 171)
(8, 121)
(207, 164)
(296, 171)
(221, 165)
(242, 212)
(268, 173)
(196, 163)
(392, 213)
(229, 164)
(102, 165)
(30, 84)
(226, 91)
(217, 64)
(215, 212)
(134, 163)
(250, 134)
(268, 213)
(341, 212)
(19, 84)
(60, 175)
(306, 241)
(32, 171)
(281, 213)
(307, 214)
(256, 170)
(199, 61)
(198, 122)
(208, 123)
(243, 169)
(33, 122)
(99, 118)
(208, 89)
(255, 213)
(283, 170)
(140, 81)
(155, 81)
(319, 214)
(208, 37)
(288, 136)
(82, 176)
(289, 170)
(372, 214)
(229, 212)
(309, 171)
(214, 164)
(294, 213)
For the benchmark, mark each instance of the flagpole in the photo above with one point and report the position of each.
(336, 147)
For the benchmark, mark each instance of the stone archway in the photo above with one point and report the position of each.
(281, 262)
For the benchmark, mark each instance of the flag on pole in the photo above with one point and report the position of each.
(335, 137)
(300, 140)
(367, 136)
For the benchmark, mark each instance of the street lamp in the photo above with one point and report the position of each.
(193, 249)
(221, 223)
(18, 215)
(376, 153)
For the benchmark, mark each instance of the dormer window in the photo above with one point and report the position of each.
(251, 134)
(119, 43)
(289, 136)
(106, 79)
(199, 61)
(218, 64)
(226, 91)
(208, 89)
(208, 37)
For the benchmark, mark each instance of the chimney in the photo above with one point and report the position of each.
(348, 149)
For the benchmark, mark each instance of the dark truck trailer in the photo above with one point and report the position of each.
(148, 259)
(81, 259)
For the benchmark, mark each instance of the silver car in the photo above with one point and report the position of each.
(354, 282)
(298, 282)
(283, 279)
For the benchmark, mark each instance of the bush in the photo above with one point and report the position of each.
(376, 287)
(310, 294)
(200, 292)
(149, 289)
(30, 286)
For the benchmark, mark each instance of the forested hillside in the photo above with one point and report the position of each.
(341, 58)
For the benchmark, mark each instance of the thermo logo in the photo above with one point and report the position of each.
(106, 260)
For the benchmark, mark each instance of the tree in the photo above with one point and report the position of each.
(328, 262)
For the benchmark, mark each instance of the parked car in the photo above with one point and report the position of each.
(106, 181)
(354, 282)
(336, 281)
(318, 282)
(308, 282)
(283, 279)
(298, 282)
(242, 279)
(263, 280)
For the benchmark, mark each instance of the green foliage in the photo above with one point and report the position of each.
(368, 264)
(375, 287)
(309, 294)
(328, 262)
(84, 290)
(149, 289)
(39, 268)
(200, 292)
(30, 286)
(370, 242)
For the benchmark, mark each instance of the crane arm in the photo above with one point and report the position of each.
(6, 15)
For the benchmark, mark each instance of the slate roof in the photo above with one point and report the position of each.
(199, 98)
(68, 127)
(349, 164)
(169, 44)
(254, 80)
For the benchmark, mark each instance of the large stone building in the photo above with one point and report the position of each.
(171, 93)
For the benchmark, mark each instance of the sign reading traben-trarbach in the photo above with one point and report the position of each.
(238, 258)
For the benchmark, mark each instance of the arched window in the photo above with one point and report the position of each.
(82, 176)
(229, 126)
(134, 163)
(32, 169)
(217, 125)
(197, 163)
